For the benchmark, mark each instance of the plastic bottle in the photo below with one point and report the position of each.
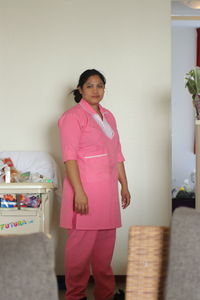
(7, 174)
(187, 186)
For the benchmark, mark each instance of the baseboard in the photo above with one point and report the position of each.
(61, 280)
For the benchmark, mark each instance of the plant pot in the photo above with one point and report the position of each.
(196, 103)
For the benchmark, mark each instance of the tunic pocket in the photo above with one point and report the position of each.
(97, 167)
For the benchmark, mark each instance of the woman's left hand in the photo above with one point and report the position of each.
(126, 197)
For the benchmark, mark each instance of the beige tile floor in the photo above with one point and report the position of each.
(120, 282)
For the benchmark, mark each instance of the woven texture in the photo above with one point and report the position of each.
(147, 262)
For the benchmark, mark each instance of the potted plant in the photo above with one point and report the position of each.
(192, 83)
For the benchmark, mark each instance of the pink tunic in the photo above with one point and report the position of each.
(95, 145)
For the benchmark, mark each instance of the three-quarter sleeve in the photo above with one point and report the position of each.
(70, 132)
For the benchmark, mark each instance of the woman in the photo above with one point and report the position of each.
(90, 208)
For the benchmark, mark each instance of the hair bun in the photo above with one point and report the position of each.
(77, 95)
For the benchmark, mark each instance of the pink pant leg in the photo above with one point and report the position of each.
(78, 251)
(101, 264)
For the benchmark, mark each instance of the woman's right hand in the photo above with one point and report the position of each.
(81, 203)
(80, 197)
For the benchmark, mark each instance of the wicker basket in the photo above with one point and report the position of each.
(147, 261)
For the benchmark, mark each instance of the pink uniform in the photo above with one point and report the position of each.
(94, 143)
(85, 249)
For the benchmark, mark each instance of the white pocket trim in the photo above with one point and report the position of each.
(98, 155)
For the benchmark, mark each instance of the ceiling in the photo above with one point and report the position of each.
(179, 9)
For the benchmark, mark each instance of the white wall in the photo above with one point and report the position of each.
(183, 59)
(46, 44)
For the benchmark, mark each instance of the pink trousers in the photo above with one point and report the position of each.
(85, 249)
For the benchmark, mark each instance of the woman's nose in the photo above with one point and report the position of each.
(95, 89)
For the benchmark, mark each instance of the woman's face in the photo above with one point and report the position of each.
(93, 90)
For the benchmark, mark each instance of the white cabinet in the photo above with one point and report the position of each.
(23, 220)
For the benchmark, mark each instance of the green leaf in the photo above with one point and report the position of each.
(192, 81)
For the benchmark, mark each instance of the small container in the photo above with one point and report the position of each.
(7, 174)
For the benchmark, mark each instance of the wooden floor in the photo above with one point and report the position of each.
(120, 283)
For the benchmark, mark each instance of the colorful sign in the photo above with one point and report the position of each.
(15, 224)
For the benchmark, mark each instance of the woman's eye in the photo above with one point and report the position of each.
(99, 86)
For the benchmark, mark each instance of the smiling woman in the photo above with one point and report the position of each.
(93, 90)
(91, 86)
(90, 206)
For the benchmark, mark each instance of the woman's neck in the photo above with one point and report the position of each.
(97, 109)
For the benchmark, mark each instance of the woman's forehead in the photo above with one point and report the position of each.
(94, 79)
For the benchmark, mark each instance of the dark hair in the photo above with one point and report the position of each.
(82, 79)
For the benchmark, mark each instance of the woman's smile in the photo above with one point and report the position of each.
(93, 90)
